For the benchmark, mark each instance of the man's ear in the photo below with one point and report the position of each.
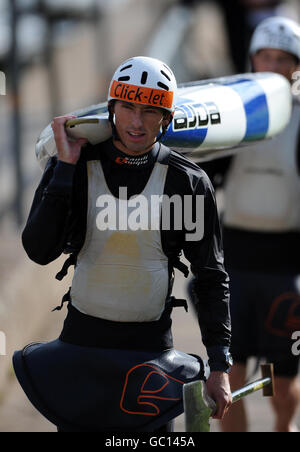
(168, 118)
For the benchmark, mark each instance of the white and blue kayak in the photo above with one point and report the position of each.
(213, 118)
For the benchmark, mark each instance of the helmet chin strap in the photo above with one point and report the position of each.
(116, 136)
(163, 131)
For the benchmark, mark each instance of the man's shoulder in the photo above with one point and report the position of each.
(186, 173)
(180, 161)
(185, 165)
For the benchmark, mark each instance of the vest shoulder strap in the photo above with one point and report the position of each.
(163, 155)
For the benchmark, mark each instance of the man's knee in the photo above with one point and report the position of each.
(287, 392)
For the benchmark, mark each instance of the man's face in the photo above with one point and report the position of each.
(137, 126)
(275, 60)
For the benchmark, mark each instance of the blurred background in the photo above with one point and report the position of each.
(58, 56)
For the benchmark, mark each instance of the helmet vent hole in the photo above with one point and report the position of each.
(168, 69)
(126, 67)
(163, 73)
(163, 86)
(124, 79)
(144, 78)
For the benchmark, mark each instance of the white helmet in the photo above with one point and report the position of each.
(144, 80)
(277, 33)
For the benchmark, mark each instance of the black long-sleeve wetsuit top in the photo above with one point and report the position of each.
(57, 224)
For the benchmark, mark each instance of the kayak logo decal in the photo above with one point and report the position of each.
(147, 96)
(191, 123)
(147, 389)
(196, 116)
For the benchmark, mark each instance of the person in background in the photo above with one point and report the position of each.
(241, 17)
(261, 233)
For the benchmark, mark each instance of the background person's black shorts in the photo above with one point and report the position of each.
(265, 311)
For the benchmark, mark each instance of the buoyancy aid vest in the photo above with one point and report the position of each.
(121, 274)
(263, 184)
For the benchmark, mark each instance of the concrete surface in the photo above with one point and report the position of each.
(18, 415)
(29, 292)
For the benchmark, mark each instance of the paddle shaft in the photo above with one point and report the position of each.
(250, 389)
